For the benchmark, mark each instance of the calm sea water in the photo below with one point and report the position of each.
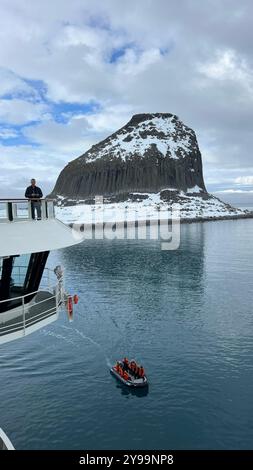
(187, 316)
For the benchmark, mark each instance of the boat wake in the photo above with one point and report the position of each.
(91, 340)
(57, 336)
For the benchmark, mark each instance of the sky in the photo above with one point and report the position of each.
(71, 73)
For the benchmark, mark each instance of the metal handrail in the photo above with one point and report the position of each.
(25, 199)
(19, 297)
(12, 325)
(25, 323)
(31, 319)
(46, 314)
(18, 320)
(34, 319)
(11, 330)
(30, 293)
(11, 209)
(11, 299)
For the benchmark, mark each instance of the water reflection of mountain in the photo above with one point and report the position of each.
(140, 274)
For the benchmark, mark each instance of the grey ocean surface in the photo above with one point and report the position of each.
(186, 315)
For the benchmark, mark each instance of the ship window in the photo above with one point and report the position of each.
(6, 279)
(20, 275)
(13, 270)
(19, 269)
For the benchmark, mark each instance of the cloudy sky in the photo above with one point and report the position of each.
(72, 72)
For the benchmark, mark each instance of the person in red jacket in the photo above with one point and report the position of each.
(126, 376)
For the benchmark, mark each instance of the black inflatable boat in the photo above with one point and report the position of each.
(124, 373)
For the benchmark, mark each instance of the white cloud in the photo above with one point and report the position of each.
(59, 143)
(73, 137)
(12, 84)
(110, 118)
(8, 133)
(81, 131)
(18, 111)
(21, 163)
(181, 57)
(132, 62)
(226, 66)
(244, 180)
(234, 191)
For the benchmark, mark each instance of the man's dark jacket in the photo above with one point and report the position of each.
(33, 192)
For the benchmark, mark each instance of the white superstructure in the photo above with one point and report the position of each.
(30, 294)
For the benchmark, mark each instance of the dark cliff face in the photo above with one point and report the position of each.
(150, 153)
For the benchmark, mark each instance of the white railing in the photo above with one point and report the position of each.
(19, 274)
(21, 317)
(25, 322)
(12, 210)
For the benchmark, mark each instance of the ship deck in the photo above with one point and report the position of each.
(17, 225)
(42, 309)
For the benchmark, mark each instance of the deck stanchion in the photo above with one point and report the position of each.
(29, 209)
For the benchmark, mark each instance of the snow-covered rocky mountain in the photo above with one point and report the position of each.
(151, 152)
(143, 169)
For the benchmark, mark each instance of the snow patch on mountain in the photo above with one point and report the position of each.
(162, 132)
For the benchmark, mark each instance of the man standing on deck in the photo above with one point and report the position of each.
(34, 193)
